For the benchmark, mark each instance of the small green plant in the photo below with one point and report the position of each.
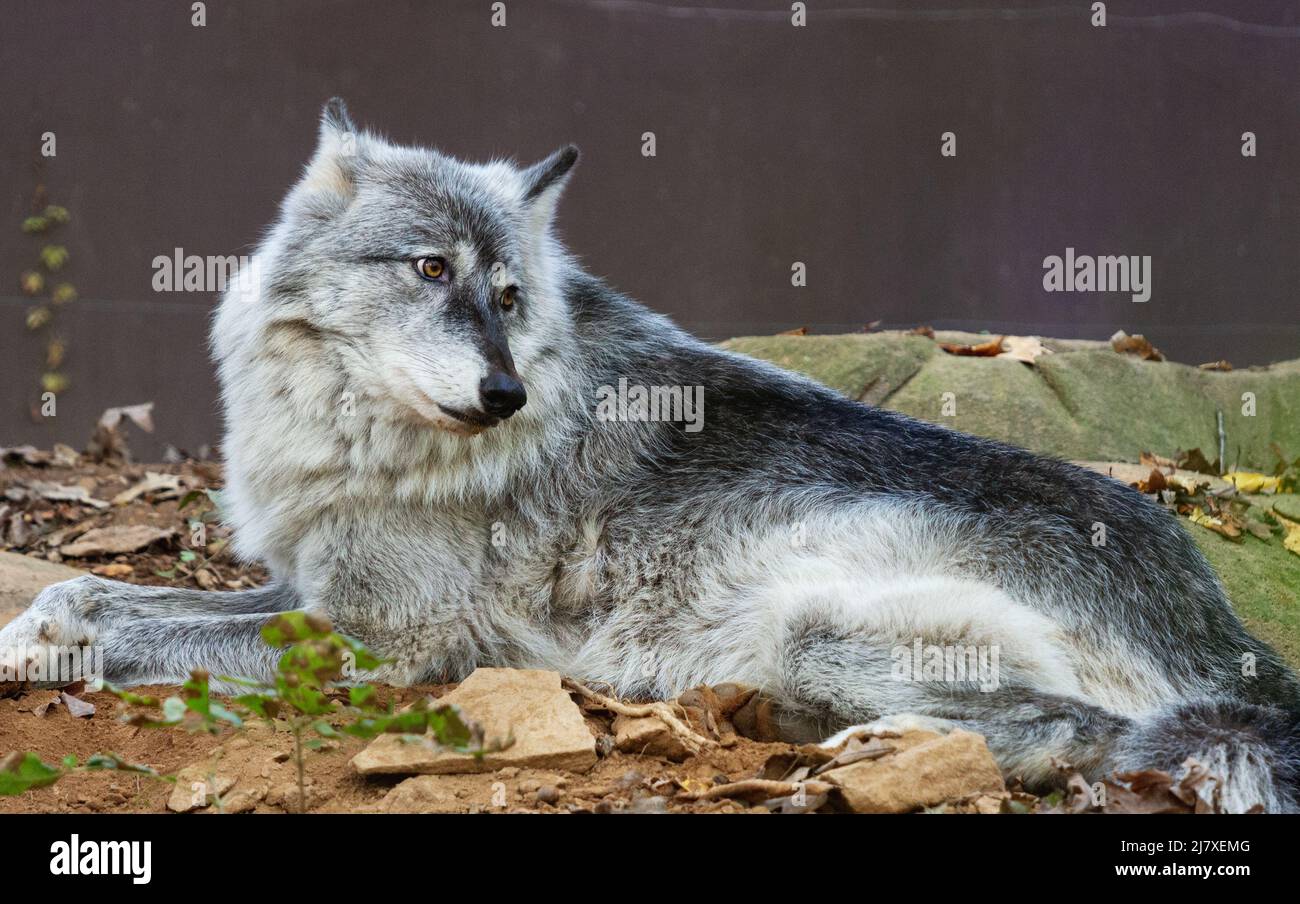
(39, 283)
(21, 772)
(312, 695)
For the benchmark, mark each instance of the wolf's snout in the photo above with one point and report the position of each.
(502, 394)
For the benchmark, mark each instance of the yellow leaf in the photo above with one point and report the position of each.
(1253, 482)
(1292, 541)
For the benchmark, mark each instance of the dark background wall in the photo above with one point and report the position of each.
(775, 144)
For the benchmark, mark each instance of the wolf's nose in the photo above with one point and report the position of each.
(502, 394)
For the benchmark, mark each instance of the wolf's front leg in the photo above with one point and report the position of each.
(146, 635)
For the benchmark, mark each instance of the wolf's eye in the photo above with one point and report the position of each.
(434, 268)
(508, 297)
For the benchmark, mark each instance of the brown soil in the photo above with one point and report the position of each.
(259, 757)
(33, 526)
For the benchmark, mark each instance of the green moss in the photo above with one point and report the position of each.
(864, 366)
(1263, 582)
(1082, 403)
(995, 397)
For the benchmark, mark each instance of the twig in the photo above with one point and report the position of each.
(692, 741)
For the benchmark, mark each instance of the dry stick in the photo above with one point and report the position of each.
(662, 711)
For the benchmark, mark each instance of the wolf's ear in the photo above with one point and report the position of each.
(338, 151)
(544, 183)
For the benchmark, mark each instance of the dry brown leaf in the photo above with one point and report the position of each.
(1194, 460)
(1216, 365)
(797, 331)
(157, 486)
(1154, 483)
(990, 349)
(77, 708)
(113, 570)
(1136, 344)
(116, 540)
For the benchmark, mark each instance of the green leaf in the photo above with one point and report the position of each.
(21, 772)
(54, 257)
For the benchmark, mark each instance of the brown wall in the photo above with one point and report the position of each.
(775, 144)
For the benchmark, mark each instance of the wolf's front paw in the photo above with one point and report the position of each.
(51, 635)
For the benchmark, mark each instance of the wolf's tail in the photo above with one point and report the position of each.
(1251, 751)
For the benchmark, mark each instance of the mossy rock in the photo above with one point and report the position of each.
(868, 367)
(1085, 401)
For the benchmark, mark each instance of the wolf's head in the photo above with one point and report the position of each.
(430, 278)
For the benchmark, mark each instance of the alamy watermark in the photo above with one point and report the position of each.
(39, 663)
(947, 663)
(1103, 273)
(635, 402)
(181, 272)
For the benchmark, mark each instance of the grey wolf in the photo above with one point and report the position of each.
(413, 449)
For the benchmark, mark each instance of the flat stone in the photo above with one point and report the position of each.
(427, 794)
(22, 577)
(196, 788)
(648, 735)
(531, 706)
(948, 767)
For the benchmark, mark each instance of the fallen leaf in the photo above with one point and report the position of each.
(77, 707)
(1253, 482)
(114, 570)
(1225, 526)
(116, 540)
(926, 331)
(160, 486)
(1195, 460)
(1136, 344)
(990, 349)
(1216, 365)
(141, 415)
(1023, 348)
(1154, 483)
(1151, 460)
(797, 331)
(1292, 541)
(57, 492)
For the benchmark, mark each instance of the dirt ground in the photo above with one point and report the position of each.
(259, 757)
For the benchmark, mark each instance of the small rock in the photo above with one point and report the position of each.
(196, 788)
(425, 794)
(245, 798)
(943, 768)
(531, 706)
(22, 577)
(548, 794)
(649, 736)
(648, 805)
